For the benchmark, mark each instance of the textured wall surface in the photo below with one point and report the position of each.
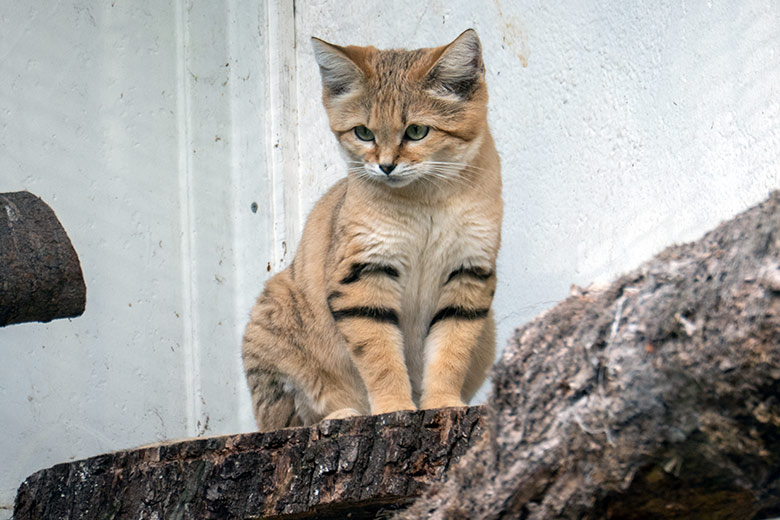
(86, 97)
(145, 135)
(622, 127)
(181, 144)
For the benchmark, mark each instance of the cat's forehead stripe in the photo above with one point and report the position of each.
(400, 87)
(398, 59)
(398, 72)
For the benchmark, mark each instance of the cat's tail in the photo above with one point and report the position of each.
(272, 403)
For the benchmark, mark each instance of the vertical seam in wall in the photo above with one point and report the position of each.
(283, 142)
(235, 164)
(294, 168)
(277, 181)
(189, 290)
(237, 11)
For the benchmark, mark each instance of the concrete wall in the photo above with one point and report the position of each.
(152, 128)
(142, 124)
(623, 127)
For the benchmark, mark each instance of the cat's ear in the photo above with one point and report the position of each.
(339, 67)
(458, 69)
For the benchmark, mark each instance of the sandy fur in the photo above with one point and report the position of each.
(386, 305)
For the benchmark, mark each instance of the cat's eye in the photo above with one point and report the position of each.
(363, 133)
(416, 132)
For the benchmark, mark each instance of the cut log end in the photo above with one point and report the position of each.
(40, 273)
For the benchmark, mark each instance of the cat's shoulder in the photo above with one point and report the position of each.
(332, 199)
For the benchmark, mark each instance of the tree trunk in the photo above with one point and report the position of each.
(362, 467)
(40, 274)
(655, 397)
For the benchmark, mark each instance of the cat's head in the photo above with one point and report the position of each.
(403, 116)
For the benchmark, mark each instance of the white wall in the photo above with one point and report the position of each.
(142, 125)
(634, 124)
(151, 128)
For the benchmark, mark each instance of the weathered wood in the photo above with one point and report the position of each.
(40, 273)
(655, 397)
(358, 467)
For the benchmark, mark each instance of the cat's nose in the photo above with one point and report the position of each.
(387, 168)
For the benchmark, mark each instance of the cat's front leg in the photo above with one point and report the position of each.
(364, 300)
(460, 343)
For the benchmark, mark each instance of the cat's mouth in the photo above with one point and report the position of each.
(398, 181)
(402, 176)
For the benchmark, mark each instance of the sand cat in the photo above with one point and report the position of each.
(387, 303)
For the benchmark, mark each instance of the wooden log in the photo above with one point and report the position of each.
(40, 273)
(361, 467)
(655, 397)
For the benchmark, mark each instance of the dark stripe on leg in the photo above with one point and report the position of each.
(295, 308)
(471, 272)
(372, 313)
(458, 313)
(358, 270)
(359, 349)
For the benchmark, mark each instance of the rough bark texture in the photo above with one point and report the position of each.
(357, 468)
(40, 273)
(655, 397)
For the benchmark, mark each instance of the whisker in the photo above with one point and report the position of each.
(430, 173)
(452, 176)
(449, 180)
(464, 166)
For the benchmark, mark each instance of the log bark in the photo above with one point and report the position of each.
(40, 273)
(657, 396)
(357, 468)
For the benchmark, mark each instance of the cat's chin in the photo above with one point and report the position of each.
(399, 182)
(394, 181)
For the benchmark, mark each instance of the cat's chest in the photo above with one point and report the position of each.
(429, 243)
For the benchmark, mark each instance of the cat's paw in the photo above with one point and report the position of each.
(394, 407)
(342, 414)
(441, 402)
